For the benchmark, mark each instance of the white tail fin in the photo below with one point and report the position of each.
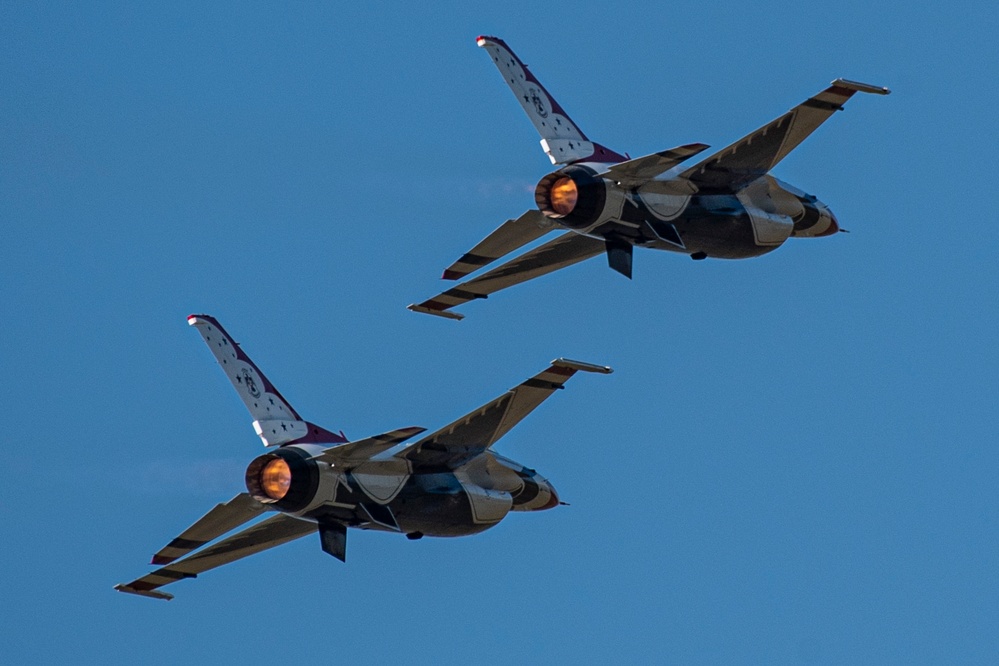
(561, 139)
(274, 419)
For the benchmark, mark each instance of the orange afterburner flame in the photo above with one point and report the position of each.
(564, 195)
(275, 479)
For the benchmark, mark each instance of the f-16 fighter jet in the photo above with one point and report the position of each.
(314, 481)
(725, 206)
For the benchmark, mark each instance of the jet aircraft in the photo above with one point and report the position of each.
(726, 206)
(448, 483)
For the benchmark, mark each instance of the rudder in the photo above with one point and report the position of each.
(561, 138)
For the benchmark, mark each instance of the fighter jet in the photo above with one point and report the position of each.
(314, 481)
(726, 206)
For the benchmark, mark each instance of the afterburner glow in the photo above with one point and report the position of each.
(275, 479)
(564, 195)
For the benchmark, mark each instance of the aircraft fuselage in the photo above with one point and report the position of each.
(665, 214)
(394, 495)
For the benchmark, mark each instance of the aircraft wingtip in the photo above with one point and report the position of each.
(861, 87)
(415, 307)
(581, 365)
(154, 594)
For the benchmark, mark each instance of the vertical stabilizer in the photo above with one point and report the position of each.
(561, 138)
(274, 419)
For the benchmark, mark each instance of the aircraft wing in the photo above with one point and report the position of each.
(266, 534)
(755, 154)
(510, 236)
(477, 431)
(567, 249)
(643, 169)
(224, 517)
(364, 449)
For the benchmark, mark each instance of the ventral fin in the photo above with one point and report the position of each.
(333, 537)
(619, 256)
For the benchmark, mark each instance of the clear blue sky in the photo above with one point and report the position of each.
(794, 462)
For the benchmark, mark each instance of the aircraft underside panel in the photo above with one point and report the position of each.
(770, 229)
(391, 495)
(727, 237)
(488, 506)
(666, 207)
(434, 503)
(382, 480)
(772, 224)
(719, 226)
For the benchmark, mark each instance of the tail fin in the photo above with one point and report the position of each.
(561, 139)
(274, 419)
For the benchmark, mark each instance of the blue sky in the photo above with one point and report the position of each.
(794, 461)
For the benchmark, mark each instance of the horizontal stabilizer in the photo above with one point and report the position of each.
(640, 170)
(269, 533)
(354, 453)
(567, 249)
(224, 517)
(511, 235)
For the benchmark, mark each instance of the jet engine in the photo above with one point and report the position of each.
(575, 196)
(288, 479)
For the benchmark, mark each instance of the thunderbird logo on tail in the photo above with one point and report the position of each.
(539, 106)
(251, 385)
(726, 206)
